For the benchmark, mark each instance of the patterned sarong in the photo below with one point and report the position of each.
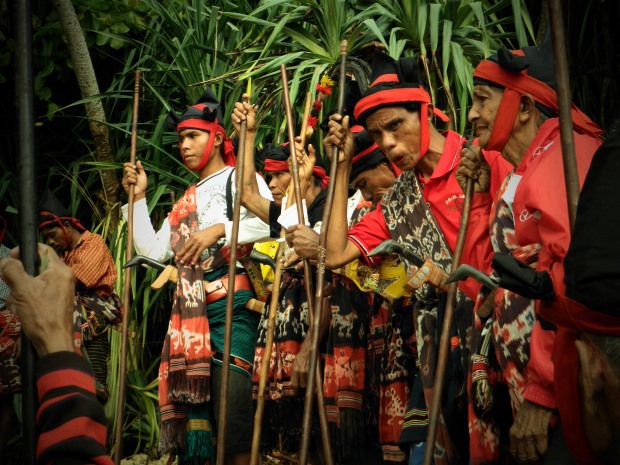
(10, 331)
(95, 315)
(412, 224)
(513, 320)
(345, 366)
(184, 371)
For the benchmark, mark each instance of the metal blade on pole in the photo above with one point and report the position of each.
(122, 370)
(27, 203)
(320, 274)
(571, 177)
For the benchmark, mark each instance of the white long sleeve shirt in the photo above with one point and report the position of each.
(211, 210)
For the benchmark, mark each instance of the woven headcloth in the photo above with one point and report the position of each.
(528, 71)
(397, 83)
(205, 115)
(53, 213)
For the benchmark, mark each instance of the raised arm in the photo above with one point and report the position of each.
(340, 250)
(252, 199)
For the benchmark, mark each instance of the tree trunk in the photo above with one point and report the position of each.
(85, 74)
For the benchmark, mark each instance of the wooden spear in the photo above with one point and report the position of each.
(571, 177)
(320, 272)
(24, 97)
(271, 321)
(120, 397)
(314, 379)
(232, 273)
(444, 339)
(295, 174)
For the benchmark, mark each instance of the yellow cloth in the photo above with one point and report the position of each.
(388, 279)
(268, 248)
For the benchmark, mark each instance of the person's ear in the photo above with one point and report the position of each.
(526, 108)
(219, 138)
(431, 110)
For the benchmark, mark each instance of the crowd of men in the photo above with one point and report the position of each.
(533, 374)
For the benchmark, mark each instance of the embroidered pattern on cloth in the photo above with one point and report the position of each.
(184, 372)
(291, 327)
(514, 319)
(96, 314)
(412, 224)
(345, 360)
(10, 331)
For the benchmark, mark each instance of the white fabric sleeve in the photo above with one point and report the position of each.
(251, 228)
(155, 245)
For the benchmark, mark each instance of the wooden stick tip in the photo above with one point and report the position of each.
(344, 45)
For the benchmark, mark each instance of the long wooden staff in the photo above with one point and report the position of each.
(271, 322)
(120, 396)
(444, 340)
(320, 272)
(313, 373)
(296, 184)
(24, 97)
(571, 177)
(232, 273)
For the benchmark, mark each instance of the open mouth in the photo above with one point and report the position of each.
(397, 160)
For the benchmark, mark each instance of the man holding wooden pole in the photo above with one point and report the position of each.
(424, 202)
(197, 233)
(514, 111)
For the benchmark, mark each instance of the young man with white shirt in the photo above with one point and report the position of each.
(196, 233)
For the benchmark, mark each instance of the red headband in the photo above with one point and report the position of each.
(397, 96)
(516, 85)
(275, 165)
(364, 152)
(320, 172)
(58, 220)
(212, 127)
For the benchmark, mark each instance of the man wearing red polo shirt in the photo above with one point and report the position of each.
(514, 110)
(423, 209)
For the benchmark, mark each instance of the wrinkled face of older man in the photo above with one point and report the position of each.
(485, 103)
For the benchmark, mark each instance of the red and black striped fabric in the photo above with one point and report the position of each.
(71, 422)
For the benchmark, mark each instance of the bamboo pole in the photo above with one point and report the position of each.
(444, 340)
(320, 274)
(304, 121)
(296, 184)
(571, 177)
(273, 306)
(27, 203)
(120, 397)
(264, 367)
(232, 273)
(314, 379)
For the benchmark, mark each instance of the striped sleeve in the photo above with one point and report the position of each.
(71, 422)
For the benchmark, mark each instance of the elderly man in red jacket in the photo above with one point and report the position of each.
(514, 111)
